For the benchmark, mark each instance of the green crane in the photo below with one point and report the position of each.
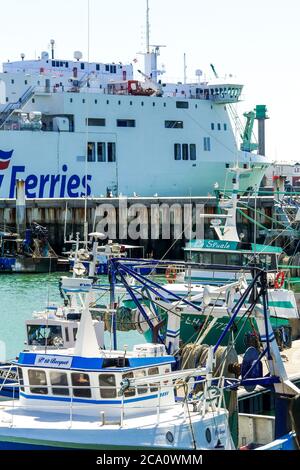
(246, 136)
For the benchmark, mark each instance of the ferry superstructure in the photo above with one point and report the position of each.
(73, 128)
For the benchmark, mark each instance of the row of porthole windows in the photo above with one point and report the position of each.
(142, 103)
(58, 383)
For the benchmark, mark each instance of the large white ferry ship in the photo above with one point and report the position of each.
(73, 128)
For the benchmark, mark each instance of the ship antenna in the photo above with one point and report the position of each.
(85, 224)
(147, 28)
(52, 42)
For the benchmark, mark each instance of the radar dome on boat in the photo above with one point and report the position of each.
(77, 55)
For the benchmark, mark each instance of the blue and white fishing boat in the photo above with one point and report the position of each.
(91, 399)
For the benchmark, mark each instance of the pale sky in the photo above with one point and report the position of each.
(257, 41)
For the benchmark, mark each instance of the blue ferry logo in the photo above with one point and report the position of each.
(5, 159)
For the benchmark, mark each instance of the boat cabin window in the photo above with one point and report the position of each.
(59, 379)
(36, 379)
(42, 335)
(67, 334)
(205, 258)
(75, 333)
(141, 388)
(153, 386)
(129, 392)
(82, 381)
(21, 380)
(107, 384)
(234, 259)
(219, 258)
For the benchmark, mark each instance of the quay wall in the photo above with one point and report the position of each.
(65, 216)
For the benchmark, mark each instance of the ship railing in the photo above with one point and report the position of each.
(208, 398)
(11, 107)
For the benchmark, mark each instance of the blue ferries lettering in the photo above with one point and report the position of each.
(48, 185)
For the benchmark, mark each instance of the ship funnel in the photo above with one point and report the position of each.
(261, 116)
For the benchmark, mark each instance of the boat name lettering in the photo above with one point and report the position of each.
(219, 245)
(47, 185)
(53, 361)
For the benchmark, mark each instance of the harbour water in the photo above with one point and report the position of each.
(21, 295)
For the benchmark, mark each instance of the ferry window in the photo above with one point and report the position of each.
(83, 101)
(125, 122)
(75, 333)
(174, 124)
(37, 378)
(67, 65)
(153, 104)
(153, 386)
(82, 65)
(177, 151)
(212, 126)
(21, 380)
(219, 126)
(98, 67)
(185, 152)
(91, 157)
(206, 144)
(25, 82)
(96, 101)
(165, 104)
(96, 122)
(111, 152)
(119, 102)
(12, 81)
(219, 258)
(193, 155)
(142, 103)
(113, 69)
(67, 334)
(101, 152)
(107, 383)
(71, 100)
(129, 392)
(225, 127)
(53, 63)
(107, 68)
(82, 381)
(59, 379)
(141, 388)
(107, 101)
(182, 104)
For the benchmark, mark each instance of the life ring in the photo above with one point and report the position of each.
(279, 280)
(171, 274)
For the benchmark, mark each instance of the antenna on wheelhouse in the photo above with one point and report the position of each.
(147, 28)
